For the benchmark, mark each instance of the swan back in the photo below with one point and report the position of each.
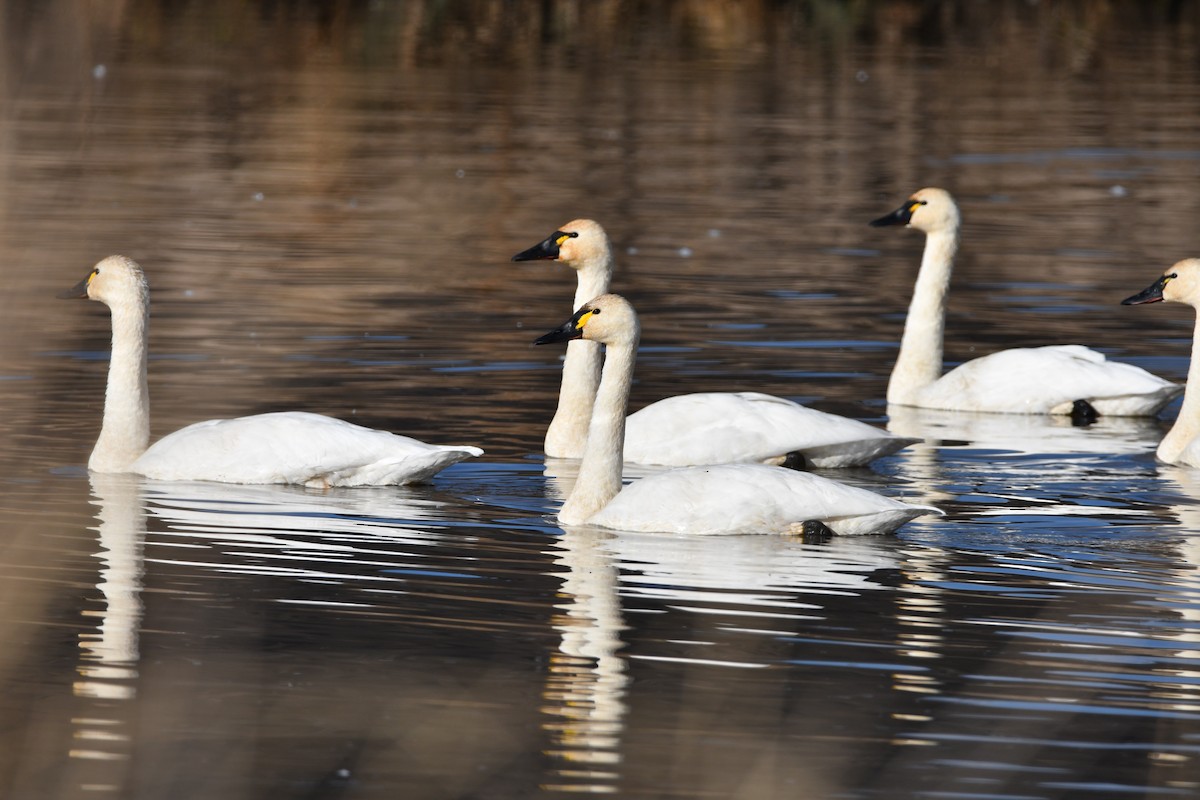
(295, 447)
(750, 498)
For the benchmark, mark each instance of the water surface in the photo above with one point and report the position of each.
(325, 200)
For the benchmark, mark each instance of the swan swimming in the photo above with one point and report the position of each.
(1180, 284)
(286, 447)
(724, 499)
(690, 429)
(1063, 379)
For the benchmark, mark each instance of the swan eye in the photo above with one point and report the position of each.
(562, 237)
(916, 204)
(95, 272)
(583, 319)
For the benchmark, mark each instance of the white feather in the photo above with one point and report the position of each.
(749, 427)
(287, 447)
(294, 447)
(724, 499)
(1040, 380)
(692, 429)
(750, 498)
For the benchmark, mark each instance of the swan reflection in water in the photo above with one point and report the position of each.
(1186, 597)
(108, 652)
(300, 532)
(1026, 434)
(748, 576)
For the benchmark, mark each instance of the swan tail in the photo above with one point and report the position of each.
(398, 471)
(1134, 405)
(854, 454)
(880, 522)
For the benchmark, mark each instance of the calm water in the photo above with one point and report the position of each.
(326, 200)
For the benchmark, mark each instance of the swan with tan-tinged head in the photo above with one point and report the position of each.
(286, 447)
(1064, 379)
(1180, 284)
(698, 428)
(724, 499)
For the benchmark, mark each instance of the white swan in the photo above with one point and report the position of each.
(730, 498)
(1041, 380)
(690, 429)
(1180, 284)
(286, 447)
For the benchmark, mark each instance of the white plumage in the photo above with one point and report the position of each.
(749, 427)
(287, 447)
(725, 499)
(294, 447)
(1038, 380)
(750, 498)
(1048, 380)
(692, 429)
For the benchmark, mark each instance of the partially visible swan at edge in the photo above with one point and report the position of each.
(725, 499)
(1063, 379)
(1180, 284)
(285, 447)
(690, 429)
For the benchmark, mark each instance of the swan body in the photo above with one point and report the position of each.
(692, 429)
(1180, 284)
(294, 447)
(749, 498)
(749, 427)
(1036, 380)
(287, 447)
(1047, 380)
(723, 499)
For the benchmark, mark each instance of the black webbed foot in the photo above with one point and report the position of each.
(796, 460)
(814, 531)
(1083, 414)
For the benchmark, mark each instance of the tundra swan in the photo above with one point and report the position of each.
(1180, 284)
(729, 498)
(285, 447)
(690, 429)
(1063, 379)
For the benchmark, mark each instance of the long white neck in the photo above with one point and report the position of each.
(567, 434)
(599, 478)
(920, 360)
(125, 433)
(1187, 424)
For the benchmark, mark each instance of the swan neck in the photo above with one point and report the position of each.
(919, 362)
(125, 432)
(599, 478)
(1187, 424)
(567, 434)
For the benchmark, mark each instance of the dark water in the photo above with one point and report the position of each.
(325, 198)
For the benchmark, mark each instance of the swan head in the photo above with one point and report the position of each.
(114, 280)
(578, 244)
(929, 210)
(608, 319)
(1179, 284)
